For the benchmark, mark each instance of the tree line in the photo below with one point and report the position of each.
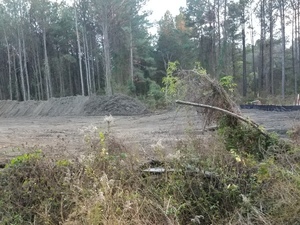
(246, 39)
(50, 49)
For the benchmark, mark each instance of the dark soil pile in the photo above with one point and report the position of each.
(74, 106)
(114, 105)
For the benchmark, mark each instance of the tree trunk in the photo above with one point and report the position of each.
(47, 68)
(36, 73)
(213, 44)
(16, 78)
(25, 68)
(298, 36)
(219, 39)
(282, 20)
(79, 52)
(93, 85)
(244, 56)
(21, 68)
(271, 48)
(224, 55)
(293, 52)
(40, 74)
(85, 52)
(61, 75)
(98, 73)
(131, 53)
(107, 59)
(71, 92)
(253, 59)
(233, 58)
(9, 67)
(88, 65)
(262, 46)
(294, 45)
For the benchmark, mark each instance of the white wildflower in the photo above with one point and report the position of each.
(128, 205)
(177, 155)
(105, 182)
(158, 145)
(88, 130)
(81, 158)
(245, 199)
(196, 219)
(101, 196)
(104, 179)
(92, 128)
(67, 178)
(109, 119)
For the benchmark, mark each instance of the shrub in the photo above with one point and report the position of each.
(35, 190)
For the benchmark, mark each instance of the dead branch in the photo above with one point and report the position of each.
(248, 121)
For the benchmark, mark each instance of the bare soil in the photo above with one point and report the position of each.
(58, 126)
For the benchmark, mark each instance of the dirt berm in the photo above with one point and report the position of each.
(74, 106)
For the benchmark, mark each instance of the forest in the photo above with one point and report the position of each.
(87, 47)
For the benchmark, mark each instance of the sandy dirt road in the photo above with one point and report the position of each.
(65, 135)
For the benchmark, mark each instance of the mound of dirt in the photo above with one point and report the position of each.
(114, 105)
(74, 106)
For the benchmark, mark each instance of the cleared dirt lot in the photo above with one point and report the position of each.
(58, 135)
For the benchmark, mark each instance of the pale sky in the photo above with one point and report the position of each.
(159, 7)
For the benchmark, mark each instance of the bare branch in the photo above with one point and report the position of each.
(248, 121)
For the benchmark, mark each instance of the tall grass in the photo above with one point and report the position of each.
(204, 183)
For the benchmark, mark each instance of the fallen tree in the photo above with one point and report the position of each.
(236, 116)
(215, 101)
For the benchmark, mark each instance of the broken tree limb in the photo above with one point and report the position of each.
(248, 121)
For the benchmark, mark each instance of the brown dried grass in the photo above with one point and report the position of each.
(199, 87)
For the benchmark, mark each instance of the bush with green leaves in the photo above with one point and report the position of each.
(228, 84)
(171, 83)
(155, 91)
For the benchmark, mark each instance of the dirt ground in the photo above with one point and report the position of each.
(64, 134)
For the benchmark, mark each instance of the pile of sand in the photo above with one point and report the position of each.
(74, 106)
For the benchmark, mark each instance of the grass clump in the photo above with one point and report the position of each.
(35, 190)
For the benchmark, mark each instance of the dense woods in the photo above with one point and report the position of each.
(50, 49)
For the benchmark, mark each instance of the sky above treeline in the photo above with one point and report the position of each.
(159, 8)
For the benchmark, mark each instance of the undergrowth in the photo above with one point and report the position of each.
(226, 178)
